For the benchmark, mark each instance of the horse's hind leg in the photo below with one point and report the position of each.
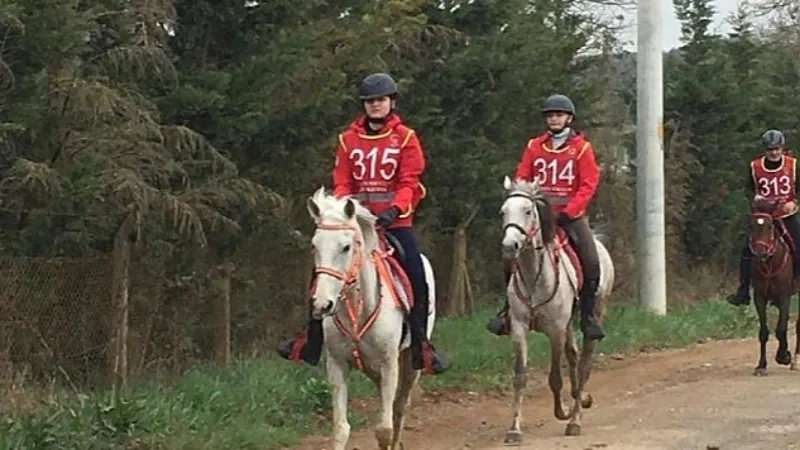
(518, 335)
(408, 378)
(337, 378)
(783, 356)
(763, 336)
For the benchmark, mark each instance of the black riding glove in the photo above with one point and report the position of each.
(388, 217)
(563, 219)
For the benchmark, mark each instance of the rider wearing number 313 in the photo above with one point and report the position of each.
(772, 177)
(379, 161)
(563, 161)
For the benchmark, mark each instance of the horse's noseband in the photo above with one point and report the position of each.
(350, 275)
(528, 233)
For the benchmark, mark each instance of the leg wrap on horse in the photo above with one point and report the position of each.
(792, 225)
(423, 355)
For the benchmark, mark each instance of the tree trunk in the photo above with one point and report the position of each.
(459, 293)
(120, 285)
(220, 278)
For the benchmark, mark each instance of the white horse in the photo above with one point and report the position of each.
(542, 294)
(364, 314)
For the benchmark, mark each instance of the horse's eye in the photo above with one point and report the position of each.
(529, 212)
(346, 248)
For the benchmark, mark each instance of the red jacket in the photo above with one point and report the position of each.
(381, 170)
(779, 185)
(569, 175)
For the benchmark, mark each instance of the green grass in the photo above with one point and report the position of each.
(269, 403)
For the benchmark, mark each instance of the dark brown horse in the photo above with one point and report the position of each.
(773, 280)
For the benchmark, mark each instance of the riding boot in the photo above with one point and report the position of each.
(306, 346)
(590, 325)
(499, 324)
(423, 354)
(742, 295)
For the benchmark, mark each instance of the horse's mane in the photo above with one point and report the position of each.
(332, 209)
(531, 189)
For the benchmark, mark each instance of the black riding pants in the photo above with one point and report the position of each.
(582, 239)
(416, 274)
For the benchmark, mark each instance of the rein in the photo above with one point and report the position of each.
(351, 295)
(769, 246)
(518, 278)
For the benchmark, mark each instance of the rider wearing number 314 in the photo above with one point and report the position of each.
(563, 161)
(379, 161)
(772, 177)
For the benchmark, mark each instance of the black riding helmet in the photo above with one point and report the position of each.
(558, 103)
(773, 139)
(378, 85)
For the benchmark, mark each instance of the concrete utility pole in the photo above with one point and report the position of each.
(650, 245)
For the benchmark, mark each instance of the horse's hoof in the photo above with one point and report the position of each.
(587, 401)
(760, 372)
(513, 438)
(573, 429)
(793, 366)
(784, 359)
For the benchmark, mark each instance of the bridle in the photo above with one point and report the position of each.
(530, 235)
(769, 246)
(350, 295)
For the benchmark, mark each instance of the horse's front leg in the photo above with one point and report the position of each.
(519, 331)
(783, 356)
(571, 351)
(408, 379)
(337, 378)
(763, 335)
(388, 386)
(558, 338)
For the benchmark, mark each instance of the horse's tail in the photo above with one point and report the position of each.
(604, 232)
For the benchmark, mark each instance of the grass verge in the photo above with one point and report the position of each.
(269, 404)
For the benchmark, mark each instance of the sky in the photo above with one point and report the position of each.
(671, 28)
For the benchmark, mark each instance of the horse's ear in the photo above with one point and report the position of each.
(535, 185)
(507, 183)
(349, 209)
(313, 208)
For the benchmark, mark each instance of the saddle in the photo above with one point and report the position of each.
(391, 271)
(564, 241)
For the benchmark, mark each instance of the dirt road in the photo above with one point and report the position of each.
(703, 397)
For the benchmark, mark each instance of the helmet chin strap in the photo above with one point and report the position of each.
(559, 132)
(376, 123)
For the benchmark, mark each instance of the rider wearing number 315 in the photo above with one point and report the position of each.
(772, 177)
(563, 161)
(379, 161)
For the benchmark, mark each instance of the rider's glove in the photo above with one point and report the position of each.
(388, 217)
